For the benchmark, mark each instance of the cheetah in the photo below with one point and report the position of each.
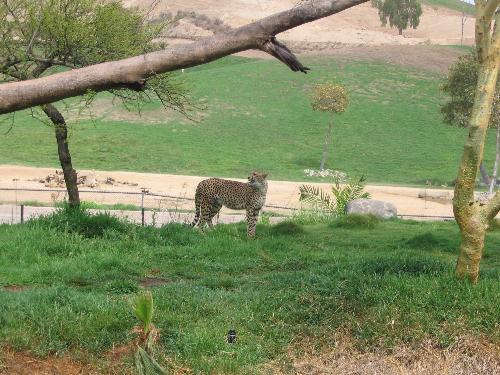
(213, 193)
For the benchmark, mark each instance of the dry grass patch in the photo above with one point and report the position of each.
(466, 356)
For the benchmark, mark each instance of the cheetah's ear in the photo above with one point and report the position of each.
(264, 175)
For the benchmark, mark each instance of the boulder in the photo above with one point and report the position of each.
(384, 210)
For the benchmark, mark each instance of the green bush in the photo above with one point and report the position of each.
(80, 220)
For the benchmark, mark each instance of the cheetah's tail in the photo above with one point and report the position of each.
(196, 215)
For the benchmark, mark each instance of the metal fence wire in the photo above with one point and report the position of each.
(145, 207)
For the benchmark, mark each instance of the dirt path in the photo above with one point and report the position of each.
(281, 193)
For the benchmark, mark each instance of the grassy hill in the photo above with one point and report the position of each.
(295, 288)
(258, 117)
(457, 5)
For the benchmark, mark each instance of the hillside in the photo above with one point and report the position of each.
(359, 25)
(255, 114)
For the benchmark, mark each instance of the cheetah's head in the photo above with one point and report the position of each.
(257, 179)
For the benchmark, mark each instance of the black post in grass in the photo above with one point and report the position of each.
(22, 213)
(142, 206)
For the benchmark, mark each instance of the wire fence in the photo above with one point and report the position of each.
(18, 205)
(144, 207)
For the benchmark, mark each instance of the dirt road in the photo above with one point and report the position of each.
(280, 193)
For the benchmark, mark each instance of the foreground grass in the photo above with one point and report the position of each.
(384, 286)
(258, 117)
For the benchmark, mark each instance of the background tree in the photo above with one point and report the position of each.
(475, 215)
(460, 85)
(400, 14)
(328, 97)
(43, 37)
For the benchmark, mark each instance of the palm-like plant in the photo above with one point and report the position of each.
(145, 364)
(336, 203)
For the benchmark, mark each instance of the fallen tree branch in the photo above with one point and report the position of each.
(133, 72)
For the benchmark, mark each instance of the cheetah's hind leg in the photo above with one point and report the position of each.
(214, 210)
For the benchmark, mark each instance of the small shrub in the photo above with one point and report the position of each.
(356, 221)
(306, 217)
(336, 203)
(79, 220)
(287, 228)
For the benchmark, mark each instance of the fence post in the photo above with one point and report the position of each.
(142, 207)
(22, 213)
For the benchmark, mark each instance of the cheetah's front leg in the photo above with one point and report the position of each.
(252, 216)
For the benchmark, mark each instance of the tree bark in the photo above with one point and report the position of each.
(133, 72)
(325, 147)
(497, 160)
(472, 234)
(400, 30)
(473, 217)
(61, 133)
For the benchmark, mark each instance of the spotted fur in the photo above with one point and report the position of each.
(213, 193)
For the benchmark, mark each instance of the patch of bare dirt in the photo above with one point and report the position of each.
(89, 179)
(467, 357)
(15, 288)
(22, 363)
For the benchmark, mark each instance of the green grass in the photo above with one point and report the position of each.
(293, 282)
(258, 117)
(452, 4)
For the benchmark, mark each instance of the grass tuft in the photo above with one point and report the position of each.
(356, 221)
(287, 228)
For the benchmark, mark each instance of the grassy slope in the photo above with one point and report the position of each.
(452, 4)
(259, 117)
(292, 282)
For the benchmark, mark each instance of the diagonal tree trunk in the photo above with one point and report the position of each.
(133, 72)
(61, 133)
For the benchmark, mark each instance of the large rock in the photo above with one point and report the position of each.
(384, 210)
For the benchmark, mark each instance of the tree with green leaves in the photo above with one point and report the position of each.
(460, 86)
(44, 37)
(400, 14)
(328, 97)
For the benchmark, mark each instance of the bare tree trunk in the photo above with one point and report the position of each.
(474, 216)
(400, 30)
(484, 174)
(497, 160)
(325, 147)
(472, 234)
(61, 132)
(133, 72)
